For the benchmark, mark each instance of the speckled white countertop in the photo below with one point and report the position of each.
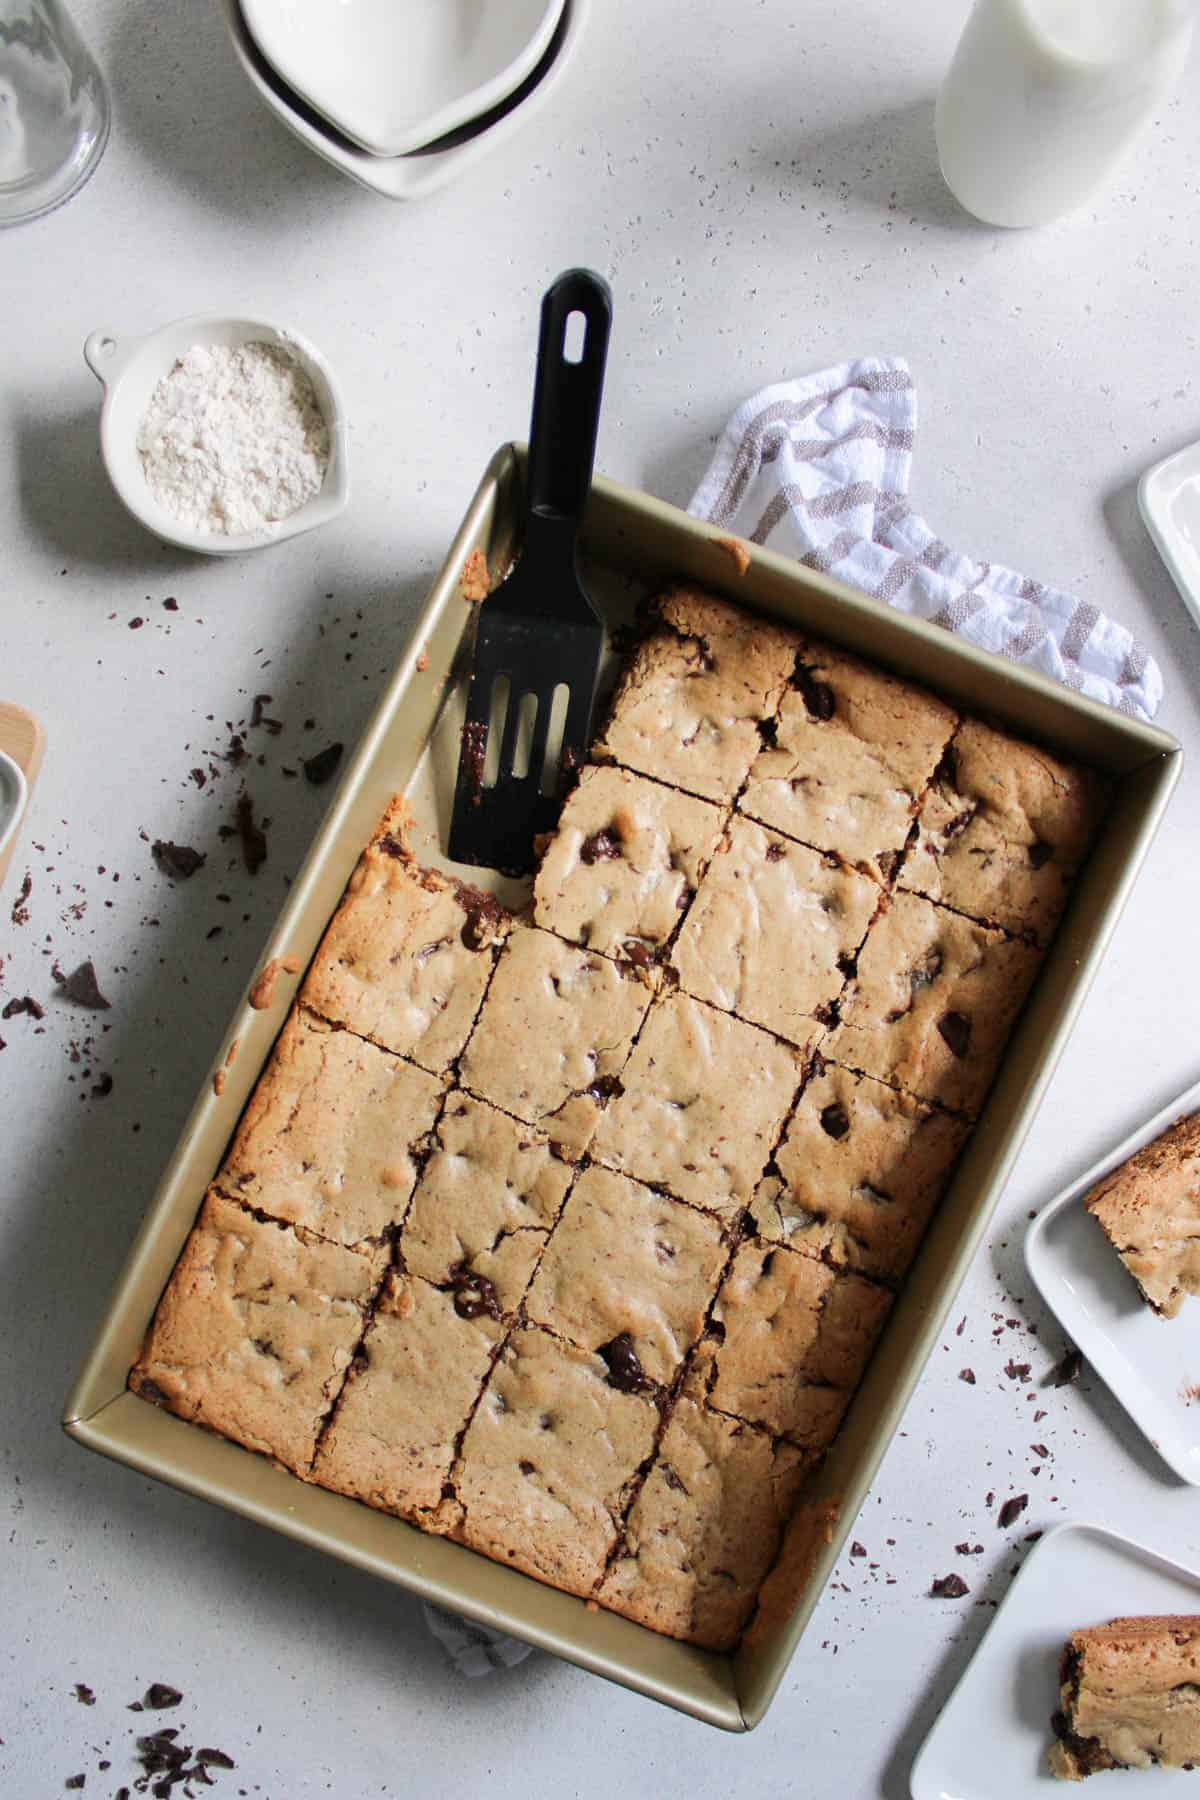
(759, 184)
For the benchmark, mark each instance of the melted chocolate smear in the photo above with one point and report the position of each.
(1040, 854)
(602, 846)
(474, 754)
(638, 954)
(81, 986)
(603, 1089)
(179, 861)
(775, 852)
(956, 1031)
(818, 695)
(949, 1587)
(319, 768)
(474, 1295)
(254, 841)
(625, 1371)
(835, 1121)
(485, 915)
(393, 847)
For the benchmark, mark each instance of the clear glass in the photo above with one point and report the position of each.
(54, 110)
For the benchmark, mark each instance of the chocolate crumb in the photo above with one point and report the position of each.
(84, 1694)
(319, 768)
(967, 1375)
(258, 715)
(81, 986)
(159, 1696)
(857, 1549)
(474, 582)
(254, 842)
(1011, 1511)
(949, 1587)
(1017, 1371)
(170, 605)
(26, 1004)
(20, 911)
(179, 861)
(76, 1781)
(103, 1088)
(136, 624)
(1065, 1372)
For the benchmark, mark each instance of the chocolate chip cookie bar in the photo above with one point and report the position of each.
(932, 1003)
(485, 1204)
(1149, 1209)
(847, 759)
(1003, 830)
(859, 1173)
(793, 1340)
(1130, 1698)
(699, 1105)
(392, 1437)
(704, 1528)
(256, 1330)
(773, 932)
(623, 865)
(553, 1035)
(331, 1135)
(690, 703)
(629, 1274)
(550, 1459)
(407, 957)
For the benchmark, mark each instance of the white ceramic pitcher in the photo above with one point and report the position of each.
(1043, 97)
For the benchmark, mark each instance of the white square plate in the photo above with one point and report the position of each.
(1152, 1365)
(1169, 496)
(992, 1737)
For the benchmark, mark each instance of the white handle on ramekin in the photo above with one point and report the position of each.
(14, 792)
(106, 355)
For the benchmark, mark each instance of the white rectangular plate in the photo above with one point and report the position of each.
(993, 1735)
(1169, 497)
(1152, 1365)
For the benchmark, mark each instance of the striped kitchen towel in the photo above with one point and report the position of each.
(819, 469)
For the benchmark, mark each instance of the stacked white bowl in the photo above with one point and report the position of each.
(403, 95)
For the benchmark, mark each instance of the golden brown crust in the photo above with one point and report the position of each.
(1149, 1209)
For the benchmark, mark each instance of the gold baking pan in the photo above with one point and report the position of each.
(630, 542)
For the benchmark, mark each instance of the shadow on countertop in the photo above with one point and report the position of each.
(94, 1161)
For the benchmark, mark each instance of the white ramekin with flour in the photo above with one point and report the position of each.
(221, 434)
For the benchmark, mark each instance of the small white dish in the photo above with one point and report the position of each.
(395, 75)
(1169, 498)
(409, 177)
(992, 1736)
(1152, 1365)
(129, 369)
(13, 795)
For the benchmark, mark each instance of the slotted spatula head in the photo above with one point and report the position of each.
(539, 639)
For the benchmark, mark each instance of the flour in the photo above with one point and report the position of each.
(233, 440)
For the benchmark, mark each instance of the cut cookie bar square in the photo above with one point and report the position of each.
(554, 1035)
(859, 1173)
(1149, 1209)
(704, 1529)
(549, 1460)
(623, 862)
(853, 750)
(1130, 1695)
(485, 1203)
(702, 1102)
(407, 957)
(773, 931)
(256, 1330)
(1003, 831)
(407, 1398)
(328, 1138)
(628, 1274)
(797, 1337)
(691, 700)
(933, 1002)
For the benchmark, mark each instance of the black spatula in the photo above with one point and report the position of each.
(539, 638)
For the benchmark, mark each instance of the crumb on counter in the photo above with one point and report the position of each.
(263, 991)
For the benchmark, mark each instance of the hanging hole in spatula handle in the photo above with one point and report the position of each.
(567, 392)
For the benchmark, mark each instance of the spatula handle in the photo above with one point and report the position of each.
(566, 395)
